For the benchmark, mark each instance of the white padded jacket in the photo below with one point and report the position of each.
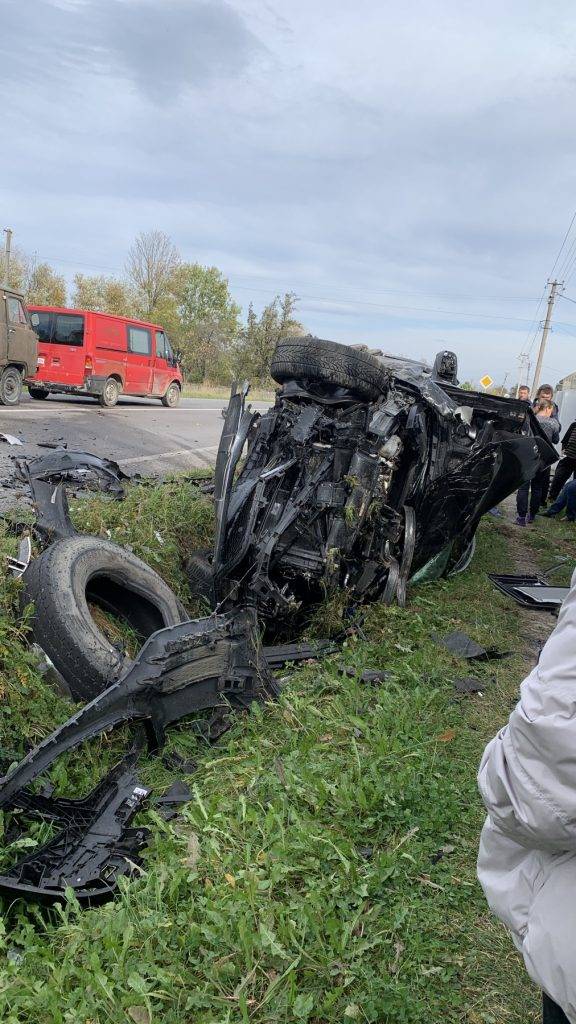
(527, 778)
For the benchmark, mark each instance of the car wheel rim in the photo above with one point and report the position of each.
(10, 386)
(110, 392)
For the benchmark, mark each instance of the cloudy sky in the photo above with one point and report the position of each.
(407, 169)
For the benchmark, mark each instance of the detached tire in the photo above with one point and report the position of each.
(312, 360)
(62, 580)
(10, 386)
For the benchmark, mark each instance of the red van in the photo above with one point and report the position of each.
(86, 353)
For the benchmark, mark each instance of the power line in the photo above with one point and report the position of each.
(336, 301)
(563, 244)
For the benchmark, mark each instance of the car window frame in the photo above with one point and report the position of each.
(67, 316)
(146, 330)
(19, 322)
(50, 315)
(163, 354)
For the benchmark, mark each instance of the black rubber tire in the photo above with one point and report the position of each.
(312, 360)
(200, 577)
(10, 386)
(62, 580)
(110, 393)
(172, 396)
(38, 393)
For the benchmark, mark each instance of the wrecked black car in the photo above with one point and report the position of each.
(367, 470)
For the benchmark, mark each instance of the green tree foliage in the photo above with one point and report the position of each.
(104, 295)
(258, 339)
(44, 287)
(39, 282)
(207, 321)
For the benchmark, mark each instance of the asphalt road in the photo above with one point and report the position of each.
(139, 433)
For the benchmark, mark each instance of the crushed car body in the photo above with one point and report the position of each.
(365, 470)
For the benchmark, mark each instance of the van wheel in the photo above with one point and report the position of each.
(38, 393)
(10, 386)
(110, 393)
(172, 396)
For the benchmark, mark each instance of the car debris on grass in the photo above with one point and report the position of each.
(366, 473)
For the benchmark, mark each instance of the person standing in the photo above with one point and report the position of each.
(527, 855)
(524, 393)
(567, 465)
(545, 393)
(532, 494)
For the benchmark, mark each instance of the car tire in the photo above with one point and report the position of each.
(38, 393)
(172, 396)
(200, 577)
(62, 580)
(110, 393)
(314, 361)
(10, 386)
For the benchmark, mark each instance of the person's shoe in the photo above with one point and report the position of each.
(549, 514)
(520, 520)
(529, 519)
(571, 519)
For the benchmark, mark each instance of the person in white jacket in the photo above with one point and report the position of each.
(527, 857)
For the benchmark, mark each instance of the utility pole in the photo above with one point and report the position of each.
(554, 285)
(8, 233)
(523, 370)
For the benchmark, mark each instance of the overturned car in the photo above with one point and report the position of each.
(367, 470)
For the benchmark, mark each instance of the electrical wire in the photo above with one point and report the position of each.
(342, 301)
(563, 244)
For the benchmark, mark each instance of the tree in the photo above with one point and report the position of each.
(152, 263)
(44, 287)
(208, 320)
(104, 295)
(261, 335)
(39, 282)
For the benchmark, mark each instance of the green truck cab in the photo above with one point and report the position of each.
(18, 345)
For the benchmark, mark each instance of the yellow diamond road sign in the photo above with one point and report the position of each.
(486, 381)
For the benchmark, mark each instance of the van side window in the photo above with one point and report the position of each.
(44, 328)
(140, 340)
(16, 314)
(161, 345)
(68, 329)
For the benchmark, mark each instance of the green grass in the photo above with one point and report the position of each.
(222, 392)
(303, 882)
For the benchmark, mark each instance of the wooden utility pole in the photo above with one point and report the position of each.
(8, 233)
(554, 285)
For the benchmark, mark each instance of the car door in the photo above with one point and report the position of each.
(163, 373)
(66, 359)
(22, 345)
(139, 360)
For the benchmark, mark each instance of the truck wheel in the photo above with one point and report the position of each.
(172, 396)
(10, 386)
(38, 393)
(75, 572)
(110, 393)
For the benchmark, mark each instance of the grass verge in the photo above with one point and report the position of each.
(223, 392)
(325, 868)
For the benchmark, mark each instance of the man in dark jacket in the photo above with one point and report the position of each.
(532, 494)
(567, 465)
